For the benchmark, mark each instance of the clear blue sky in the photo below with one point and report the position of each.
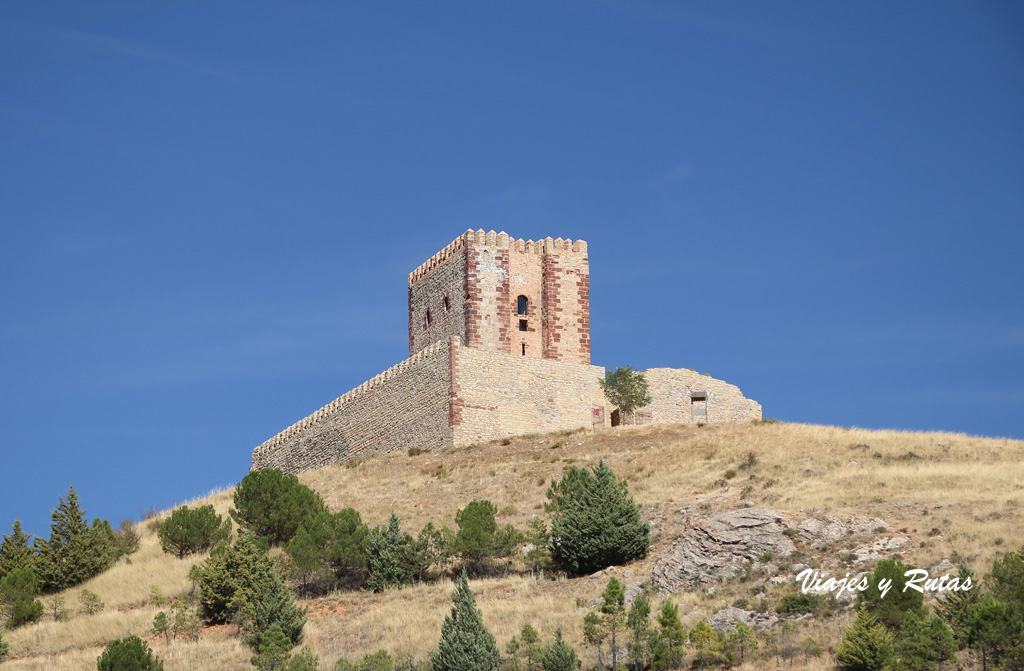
(209, 210)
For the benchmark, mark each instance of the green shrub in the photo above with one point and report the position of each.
(325, 543)
(595, 521)
(4, 648)
(803, 603)
(272, 505)
(127, 538)
(128, 654)
(18, 592)
(475, 538)
(91, 603)
(188, 531)
(234, 575)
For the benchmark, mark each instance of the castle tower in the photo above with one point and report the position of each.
(505, 295)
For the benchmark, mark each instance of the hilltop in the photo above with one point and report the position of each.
(944, 496)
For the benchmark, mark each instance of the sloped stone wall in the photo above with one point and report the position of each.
(406, 406)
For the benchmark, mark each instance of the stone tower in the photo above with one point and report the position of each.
(504, 295)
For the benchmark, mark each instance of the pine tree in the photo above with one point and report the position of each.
(475, 538)
(74, 552)
(866, 645)
(91, 603)
(272, 608)
(161, 627)
(955, 607)
(596, 523)
(668, 650)
(745, 641)
(466, 644)
(272, 651)
(3, 646)
(923, 643)
(1006, 581)
(614, 615)
(897, 602)
(188, 531)
(559, 656)
(706, 643)
(996, 629)
(272, 505)
(128, 653)
(233, 576)
(15, 551)
(538, 558)
(18, 592)
(389, 557)
(641, 637)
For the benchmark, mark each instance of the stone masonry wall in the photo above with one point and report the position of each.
(406, 406)
(671, 388)
(470, 289)
(442, 277)
(496, 395)
(566, 301)
(487, 287)
(526, 278)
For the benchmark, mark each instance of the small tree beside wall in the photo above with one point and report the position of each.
(626, 389)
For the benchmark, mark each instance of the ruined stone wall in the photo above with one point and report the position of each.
(406, 406)
(439, 285)
(671, 389)
(496, 395)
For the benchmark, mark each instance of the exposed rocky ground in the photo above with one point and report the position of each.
(715, 547)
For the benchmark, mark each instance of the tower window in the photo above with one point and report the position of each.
(427, 320)
(447, 307)
(522, 303)
(522, 325)
(524, 349)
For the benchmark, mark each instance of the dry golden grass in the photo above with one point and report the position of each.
(957, 496)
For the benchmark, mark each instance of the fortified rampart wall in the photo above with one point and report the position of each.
(480, 369)
(671, 389)
(495, 395)
(406, 406)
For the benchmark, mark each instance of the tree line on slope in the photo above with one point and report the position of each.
(75, 552)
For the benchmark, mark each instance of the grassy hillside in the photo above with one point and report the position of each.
(956, 496)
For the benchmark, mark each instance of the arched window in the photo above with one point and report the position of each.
(522, 303)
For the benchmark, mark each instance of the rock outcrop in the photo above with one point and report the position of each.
(720, 545)
(717, 546)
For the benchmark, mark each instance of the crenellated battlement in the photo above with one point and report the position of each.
(499, 240)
